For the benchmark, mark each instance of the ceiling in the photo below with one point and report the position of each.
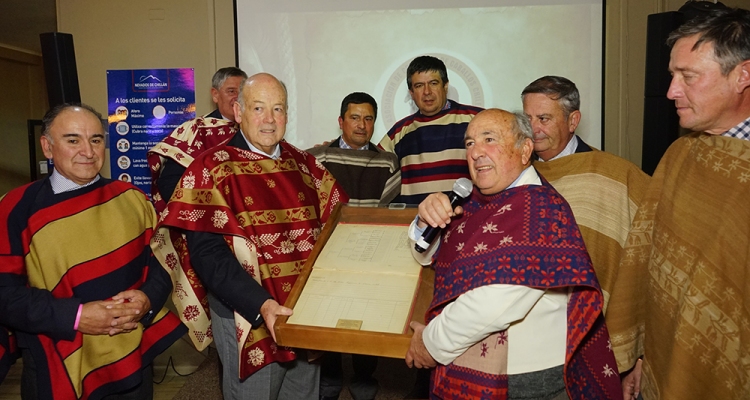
(21, 22)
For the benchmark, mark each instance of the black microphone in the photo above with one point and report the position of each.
(461, 189)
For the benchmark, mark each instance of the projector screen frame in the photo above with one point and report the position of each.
(602, 62)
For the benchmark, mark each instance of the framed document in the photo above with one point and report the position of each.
(360, 287)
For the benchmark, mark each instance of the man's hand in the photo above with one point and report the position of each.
(436, 211)
(631, 383)
(100, 318)
(270, 310)
(418, 356)
(131, 301)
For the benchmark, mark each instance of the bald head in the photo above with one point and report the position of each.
(261, 111)
(498, 148)
(260, 80)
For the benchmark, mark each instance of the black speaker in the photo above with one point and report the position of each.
(60, 71)
(660, 123)
(661, 127)
(657, 52)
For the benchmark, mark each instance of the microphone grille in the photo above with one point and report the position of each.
(463, 187)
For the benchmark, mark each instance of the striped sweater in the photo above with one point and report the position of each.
(430, 150)
(370, 177)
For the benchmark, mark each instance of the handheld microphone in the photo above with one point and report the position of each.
(461, 189)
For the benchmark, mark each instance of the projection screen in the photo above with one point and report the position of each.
(326, 49)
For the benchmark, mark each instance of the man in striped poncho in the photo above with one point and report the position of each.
(78, 282)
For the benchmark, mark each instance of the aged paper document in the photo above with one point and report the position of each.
(365, 278)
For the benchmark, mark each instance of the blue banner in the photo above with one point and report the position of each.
(145, 105)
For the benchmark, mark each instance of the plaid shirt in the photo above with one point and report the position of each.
(741, 131)
(345, 146)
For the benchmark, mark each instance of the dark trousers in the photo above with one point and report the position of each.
(362, 387)
(144, 391)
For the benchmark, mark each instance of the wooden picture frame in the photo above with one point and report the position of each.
(346, 340)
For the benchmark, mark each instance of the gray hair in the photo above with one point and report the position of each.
(54, 112)
(728, 30)
(521, 128)
(223, 74)
(557, 88)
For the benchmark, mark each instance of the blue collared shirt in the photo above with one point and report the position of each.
(740, 131)
(345, 146)
(569, 149)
